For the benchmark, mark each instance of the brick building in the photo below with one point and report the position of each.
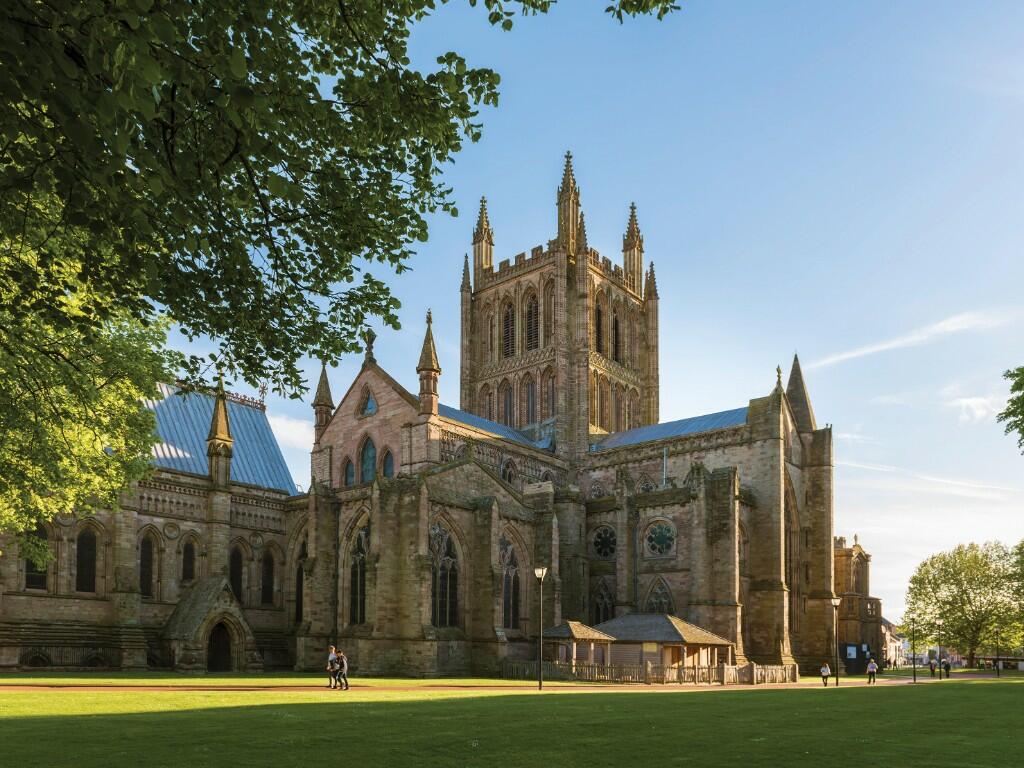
(415, 546)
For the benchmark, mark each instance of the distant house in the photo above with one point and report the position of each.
(664, 640)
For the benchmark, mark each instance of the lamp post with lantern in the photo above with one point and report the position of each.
(540, 572)
(835, 631)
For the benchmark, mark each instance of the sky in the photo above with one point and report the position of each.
(842, 180)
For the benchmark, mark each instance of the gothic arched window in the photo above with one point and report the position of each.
(549, 313)
(147, 557)
(267, 580)
(188, 562)
(532, 324)
(530, 401)
(357, 577)
(598, 329)
(507, 403)
(549, 395)
(85, 561)
(387, 464)
(604, 603)
(510, 584)
(369, 404)
(659, 599)
(350, 472)
(444, 578)
(508, 472)
(235, 572)
(508, 331)
(367, 462)
(299, 578)
(35, 576)
(616, 347)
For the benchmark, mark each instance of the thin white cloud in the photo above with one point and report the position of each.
(908, 480)
(980, 408)
(856, 438)
(965, 321)
(292, 432)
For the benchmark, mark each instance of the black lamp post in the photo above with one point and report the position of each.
(835, 631)
(938, 640)
(540, 572)
(997, 655)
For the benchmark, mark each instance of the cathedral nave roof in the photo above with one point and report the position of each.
(707, 423)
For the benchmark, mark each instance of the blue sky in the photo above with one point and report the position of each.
(839, 179)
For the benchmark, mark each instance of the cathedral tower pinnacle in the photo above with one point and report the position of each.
(633, 251)
(429, 370)
(323, 404)
(483, 241)
(219, 443)
(568, 208)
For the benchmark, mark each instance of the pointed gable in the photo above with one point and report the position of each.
(799, 400)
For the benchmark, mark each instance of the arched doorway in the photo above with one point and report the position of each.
(218, 649)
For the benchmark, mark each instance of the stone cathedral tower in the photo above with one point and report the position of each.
(561, 343)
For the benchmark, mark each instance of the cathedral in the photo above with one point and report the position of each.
(415, 547)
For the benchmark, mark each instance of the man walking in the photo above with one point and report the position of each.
(826, 673)
(946, 666)
(332, 667)
(341, 676)
(872, 670)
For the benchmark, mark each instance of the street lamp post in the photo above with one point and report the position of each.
(938, 640)
(997, 654)
(540, 572)
(835, 632)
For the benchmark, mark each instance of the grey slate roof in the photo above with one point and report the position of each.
(658, 628)
(668, 429)
(575, 630)
(478, 422)
(183, 422)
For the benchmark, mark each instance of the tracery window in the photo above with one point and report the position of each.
(507, 404)
(597, 491)
(660, 539)
(267, 579)
(530, 395)
(147, 555)
(357, 577)
(645, 484)
(235, 572)
(368, 462)
(508, 332)
(549, 313)
(659, 599)
(388, 464)
(36, 577)
(508, 472)
(510, 584)
(616, 349)
(85, 561)
(604, 603)
(604, 542)
(350, 472)
(188, 562)
(532, 324)
(369, 404)
(444, 578)
(598, 330)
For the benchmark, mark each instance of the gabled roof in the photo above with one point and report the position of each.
(575, 630)
(183, 422)
(658, 628)
(486, 425)
(669, 429)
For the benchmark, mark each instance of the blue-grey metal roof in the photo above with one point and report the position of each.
(690, 426)
(183, 423)
(501, 430)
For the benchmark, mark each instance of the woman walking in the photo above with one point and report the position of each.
(826, 673)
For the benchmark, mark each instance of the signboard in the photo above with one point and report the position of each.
(851, 651)
(650, 647)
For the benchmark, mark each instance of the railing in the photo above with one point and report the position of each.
(722, 674)
(69, 656)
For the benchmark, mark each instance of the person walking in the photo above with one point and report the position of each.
(826, 673)
(341, 676)
(931, 666)
(332, 667)
(946, 666)
(872, 671)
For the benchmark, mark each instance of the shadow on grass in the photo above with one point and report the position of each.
(959, 724)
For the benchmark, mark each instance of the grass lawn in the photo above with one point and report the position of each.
(959, 723)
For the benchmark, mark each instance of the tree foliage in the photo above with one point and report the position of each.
(1013, 415)
(962, 598)
(241, 166)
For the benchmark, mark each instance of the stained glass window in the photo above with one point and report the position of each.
(604, 542)
(368, 462)
(661, 539)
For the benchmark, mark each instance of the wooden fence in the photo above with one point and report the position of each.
(723, 674)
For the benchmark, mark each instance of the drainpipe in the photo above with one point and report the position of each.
(337, 566)
(664, 466)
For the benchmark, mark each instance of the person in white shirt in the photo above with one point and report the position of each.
(872, 669)
(826, 673)
(332, 667)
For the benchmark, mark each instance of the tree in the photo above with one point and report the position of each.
(241, 166)
(962, 597)
(1013, 415)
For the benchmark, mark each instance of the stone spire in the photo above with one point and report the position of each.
(219, 443)
(632, 238)
(429, 370)
(651, 285)
(483, 242)
(466, 284)
(799, 400)
(323, 404)
(633, 251)
(568, 208)
(581, 235)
